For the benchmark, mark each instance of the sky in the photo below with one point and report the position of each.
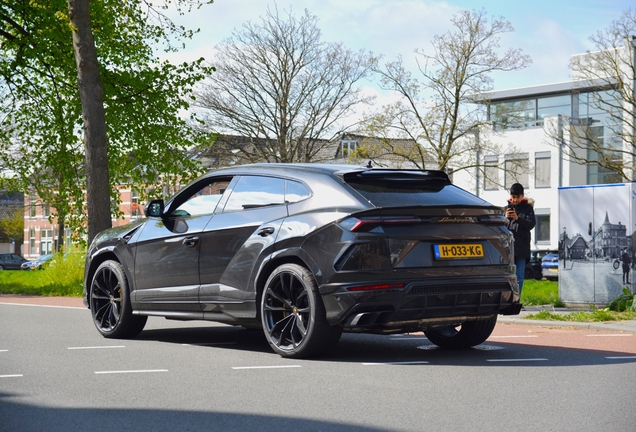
(549, 31)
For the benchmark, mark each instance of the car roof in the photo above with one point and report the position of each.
(298, 169)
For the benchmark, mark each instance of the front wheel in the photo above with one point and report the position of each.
(293, 314)
(464, 336)
(110, 303)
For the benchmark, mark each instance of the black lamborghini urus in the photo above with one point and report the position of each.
(307, 251)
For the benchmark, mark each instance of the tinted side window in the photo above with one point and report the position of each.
(255, 191)
(203, 200)
(295, 191)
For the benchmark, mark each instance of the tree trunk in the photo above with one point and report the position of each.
(92, 98)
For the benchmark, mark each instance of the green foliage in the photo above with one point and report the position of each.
(623, 302)
(13, 225)
(144, 98)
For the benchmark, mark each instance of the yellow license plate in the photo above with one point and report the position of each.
(449, 251)
(553, 270)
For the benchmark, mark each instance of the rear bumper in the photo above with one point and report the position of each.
(422, 303)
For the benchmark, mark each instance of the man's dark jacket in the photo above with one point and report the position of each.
(521, 228)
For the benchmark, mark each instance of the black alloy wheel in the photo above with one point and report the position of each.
(466, 335)
(293, 314)
(110, 303)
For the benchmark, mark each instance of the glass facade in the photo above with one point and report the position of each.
(597, 115)
(528, 112)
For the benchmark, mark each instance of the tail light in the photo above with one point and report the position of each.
(366, 224)
(376, 287)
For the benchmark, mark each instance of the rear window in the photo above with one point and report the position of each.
(405, 191)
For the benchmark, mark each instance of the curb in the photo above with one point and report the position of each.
(624, 326)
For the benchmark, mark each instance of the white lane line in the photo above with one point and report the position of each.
(616, 334)
(10, 376)
(265, 367)
(211, 344)
(620, 357)
(395, 363)
(96, 347)
(510, 337)
(131, 371)
(4, 350)
(46, 306)
(517, 360)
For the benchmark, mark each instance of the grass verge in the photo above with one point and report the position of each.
(540, 292)
(600, 315)
(63, 276)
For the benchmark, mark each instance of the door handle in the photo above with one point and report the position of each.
(190, 241)
(264, 232)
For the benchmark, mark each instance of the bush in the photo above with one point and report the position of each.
(623, 302)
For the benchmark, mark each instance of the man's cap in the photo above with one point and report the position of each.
(516, 189)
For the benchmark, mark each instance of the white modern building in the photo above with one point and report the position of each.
(538, 126)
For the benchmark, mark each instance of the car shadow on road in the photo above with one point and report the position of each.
(399, 349)
(18, 416)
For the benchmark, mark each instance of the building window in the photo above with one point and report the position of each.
(554, 105)
(491, 173)
(348, 147)
(135, 210)
(601, 126)
(46, 210)
(32, 242)
(542, 169)
(516, 170)
(542, 227)
(32, 207)
(528, 112)
(46, 241)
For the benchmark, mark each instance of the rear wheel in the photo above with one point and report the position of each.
(529, 273)
(464, 336)
(293, 314)
(110, 303)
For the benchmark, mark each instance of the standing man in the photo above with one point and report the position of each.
(521, 216)
(627, 264)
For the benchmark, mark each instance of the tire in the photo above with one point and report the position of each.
(110, 303)
(469, 334)
(293, 314)
(529, 273)
(1, 267)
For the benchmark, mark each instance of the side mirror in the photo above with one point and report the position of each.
(154, 208)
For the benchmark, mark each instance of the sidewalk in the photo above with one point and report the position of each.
(625, 326)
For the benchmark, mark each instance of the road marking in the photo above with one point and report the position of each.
(211, 344)
(96, 347)
(517, 360)
(10, 376)
(47, 306)
(621, 358)
(616, 334)
(508, 337)
(4, 350)
(265, 367)
(395, 363)
(131, 371)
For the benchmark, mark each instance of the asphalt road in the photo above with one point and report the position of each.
(58, 374)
